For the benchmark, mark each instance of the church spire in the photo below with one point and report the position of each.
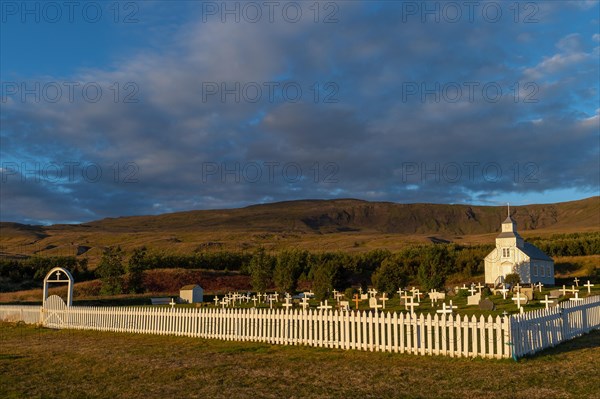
(508, 205)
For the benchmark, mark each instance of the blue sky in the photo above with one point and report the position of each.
(111, 109)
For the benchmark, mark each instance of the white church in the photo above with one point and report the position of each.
(513, 255)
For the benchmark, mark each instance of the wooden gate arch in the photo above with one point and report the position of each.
(59, 275)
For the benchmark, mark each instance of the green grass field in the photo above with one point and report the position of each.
(44, 363)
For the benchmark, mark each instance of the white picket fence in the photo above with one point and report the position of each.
(450, 335)
(534, 331)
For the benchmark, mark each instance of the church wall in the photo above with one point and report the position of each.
(536, 273)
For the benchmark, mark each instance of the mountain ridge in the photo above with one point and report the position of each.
(339, 215)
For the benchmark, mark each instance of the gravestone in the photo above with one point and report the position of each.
(487, 304)
(436, 296)
(474, 299)
(555, 293)
(528, 292)
(344, 305)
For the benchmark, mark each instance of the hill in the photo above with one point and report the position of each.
(345, 224)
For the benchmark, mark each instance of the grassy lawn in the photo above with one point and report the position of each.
(43, 363)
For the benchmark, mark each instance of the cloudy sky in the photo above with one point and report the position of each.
(128, 108)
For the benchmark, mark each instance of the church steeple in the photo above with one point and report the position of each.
(509, 231)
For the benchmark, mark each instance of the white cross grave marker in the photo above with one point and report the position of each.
(518, 299)
(288, 304)
(539, 286)
(216, 300)
(254, 299)
(547, 302)
(418, 294)
(447, 309)
(411, 304)
(479, 287)
(576, 299)
(576, 281)
(589, 286)
(172, 303)
(574, 290)
(324, 306)
(400, 292)
(384, 299)
(472, 290)
(503, 290)
(373, 303)
(304, 302)
(564, 290)
(338, 296)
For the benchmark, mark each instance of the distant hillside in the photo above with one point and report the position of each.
(326, 224)
(330, 216)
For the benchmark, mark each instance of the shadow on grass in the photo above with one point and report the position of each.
(586, 341)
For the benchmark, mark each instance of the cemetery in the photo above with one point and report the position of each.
(465, 321)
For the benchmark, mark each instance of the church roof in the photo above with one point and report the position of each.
(508, 234)
(508, 220)
(534, 252)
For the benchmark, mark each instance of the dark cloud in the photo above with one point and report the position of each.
(358, 129)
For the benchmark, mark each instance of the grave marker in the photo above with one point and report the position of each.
(473, 299)
(446, 309)
(503, 290)
(373, 303)
(384, 299)
(589, 286)
(487, 304)
(547, 301)
(411, 305)
(479, 287)
(564, 290)
(344, 305)
(288, 303)
(576, 299)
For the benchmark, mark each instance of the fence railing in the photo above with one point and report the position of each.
(452, 335)
(534, 331)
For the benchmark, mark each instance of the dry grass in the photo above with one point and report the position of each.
(38, 363)
(345, 225)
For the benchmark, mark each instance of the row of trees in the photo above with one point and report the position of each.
(36, 268)
(426, 265)
(575, 244)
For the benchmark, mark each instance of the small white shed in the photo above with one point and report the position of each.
(192, 293)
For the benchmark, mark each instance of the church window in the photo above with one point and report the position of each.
(535, 270)
(542, 271)
(548, 271)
